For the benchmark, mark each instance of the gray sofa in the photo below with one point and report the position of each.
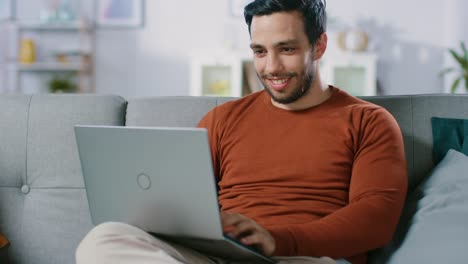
(43, 206)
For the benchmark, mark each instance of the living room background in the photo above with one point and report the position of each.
(410, 39)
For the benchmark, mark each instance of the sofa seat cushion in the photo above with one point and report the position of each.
(438, 229)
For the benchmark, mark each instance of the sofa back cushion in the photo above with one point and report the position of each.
(43, 206)
(168, 111)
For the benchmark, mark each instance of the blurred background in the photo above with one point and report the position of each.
(138, 48)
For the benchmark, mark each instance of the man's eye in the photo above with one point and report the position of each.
(258, 52)
(288, 49)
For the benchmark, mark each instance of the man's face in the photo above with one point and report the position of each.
(283, 55)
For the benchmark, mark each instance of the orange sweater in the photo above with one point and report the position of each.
(3, 241)
(329, 180)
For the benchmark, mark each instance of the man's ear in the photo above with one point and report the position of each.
(320, 46)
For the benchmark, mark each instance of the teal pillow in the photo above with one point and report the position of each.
(449, 133)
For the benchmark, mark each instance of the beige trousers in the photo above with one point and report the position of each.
(121, 243)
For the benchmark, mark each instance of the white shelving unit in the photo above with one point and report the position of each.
(354, 72)
(216, 75)
(222, 74)
(82, 65)
(227, 73)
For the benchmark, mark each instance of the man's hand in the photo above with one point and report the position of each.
(248, 232)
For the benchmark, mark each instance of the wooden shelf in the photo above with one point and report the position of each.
(50, 67)
(64, 26)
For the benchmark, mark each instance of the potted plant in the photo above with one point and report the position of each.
(462, 71)
(61, 85)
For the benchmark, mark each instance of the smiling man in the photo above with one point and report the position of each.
(286, 61)
(304, 169)
(306, 172)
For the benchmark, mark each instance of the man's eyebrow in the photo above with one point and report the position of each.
(286, 42)
(278, 44)
(255, 46)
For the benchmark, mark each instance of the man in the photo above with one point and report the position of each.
(303, 168)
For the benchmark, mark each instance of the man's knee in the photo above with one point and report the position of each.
(92, 244)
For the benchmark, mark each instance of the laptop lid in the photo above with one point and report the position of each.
(158, 179)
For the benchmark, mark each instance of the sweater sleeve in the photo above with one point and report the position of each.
(377, 192)
(210, 123)
(3, 241)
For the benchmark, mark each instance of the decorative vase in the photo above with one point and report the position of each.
(353, 40)
(27, 51)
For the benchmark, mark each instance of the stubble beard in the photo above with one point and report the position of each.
(301, 90)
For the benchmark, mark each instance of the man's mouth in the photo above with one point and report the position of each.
(278, 84)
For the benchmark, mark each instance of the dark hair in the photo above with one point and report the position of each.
(313, 11)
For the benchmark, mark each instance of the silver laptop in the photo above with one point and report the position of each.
(160, 180)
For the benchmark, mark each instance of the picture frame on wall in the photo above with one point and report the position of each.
(119, 13)
(6, 10)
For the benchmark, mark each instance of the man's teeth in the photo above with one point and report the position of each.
(279, 81)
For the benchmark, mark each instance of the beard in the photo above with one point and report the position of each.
(299, 91)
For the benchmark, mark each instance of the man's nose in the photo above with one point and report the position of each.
(273, 64)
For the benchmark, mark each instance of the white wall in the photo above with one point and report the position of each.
(410, 38)
(154, 60)
(455, 25)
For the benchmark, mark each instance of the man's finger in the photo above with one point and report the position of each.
(259, 241)
(243, 227)
(231, 219)
(253, 239)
